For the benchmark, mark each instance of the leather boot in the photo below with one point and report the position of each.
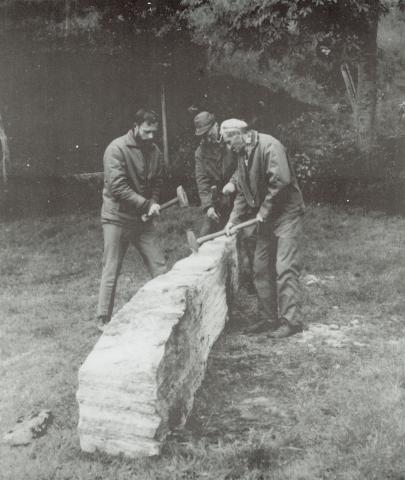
(286, 329)
(261, 326)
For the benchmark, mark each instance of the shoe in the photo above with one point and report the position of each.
(285, 330)
(261, 327)
(101, 322)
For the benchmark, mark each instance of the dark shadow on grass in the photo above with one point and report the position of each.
(45, 331)
(239, 370)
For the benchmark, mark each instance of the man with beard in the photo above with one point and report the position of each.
(268, 190)
(215, 166)
(133, 176)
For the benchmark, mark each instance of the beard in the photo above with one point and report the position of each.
(213, 138)
(146, 144)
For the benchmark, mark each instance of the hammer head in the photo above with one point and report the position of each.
(182, 197)
(192, 241)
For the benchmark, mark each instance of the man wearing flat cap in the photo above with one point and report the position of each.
(268, 190)
(215, 166)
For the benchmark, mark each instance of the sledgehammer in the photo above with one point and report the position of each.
(181, 199)
(195, 243)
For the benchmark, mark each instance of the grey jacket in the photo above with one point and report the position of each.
(132, 180)
(266, 183)
(214, 165)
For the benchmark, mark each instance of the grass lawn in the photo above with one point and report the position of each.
(328, 404)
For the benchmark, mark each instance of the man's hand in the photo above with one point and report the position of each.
(212, 214)
(154, 210)
(229, 188)
(228, 228)
(259, 218)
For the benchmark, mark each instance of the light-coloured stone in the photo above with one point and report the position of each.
(140, 379)
(26, 429)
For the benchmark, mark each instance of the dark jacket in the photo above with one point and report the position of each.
(266, 183)
(214, 165)
(132, 179)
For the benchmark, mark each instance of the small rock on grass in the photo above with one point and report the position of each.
(28, 428)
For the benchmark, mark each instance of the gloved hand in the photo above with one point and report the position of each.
(229, 188)
(154, 210)
(259, 218)
(228, 228)
(212, 214)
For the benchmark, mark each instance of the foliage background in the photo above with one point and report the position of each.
(296, 96)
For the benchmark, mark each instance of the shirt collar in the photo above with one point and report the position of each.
(254, 140)
(130, 139)
(249, 149)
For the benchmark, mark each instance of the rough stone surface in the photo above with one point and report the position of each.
(33, 426)
(140, 379)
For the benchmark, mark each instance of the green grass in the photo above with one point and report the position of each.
(266, 410)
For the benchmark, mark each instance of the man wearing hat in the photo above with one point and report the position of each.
(215, 166)
(268, 190)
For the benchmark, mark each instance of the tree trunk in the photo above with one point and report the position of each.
(164, 129)
(5, 152)
(68, 15)
(367, 83)
(367, 102)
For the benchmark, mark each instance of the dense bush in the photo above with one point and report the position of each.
(321, 145)
(331, 168)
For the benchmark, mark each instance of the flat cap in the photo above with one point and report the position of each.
(232, 125)
(203, 122)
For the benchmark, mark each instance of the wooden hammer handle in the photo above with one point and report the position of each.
(234, 229)
(145, 217)
(169, 203)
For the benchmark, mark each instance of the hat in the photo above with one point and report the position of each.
(203, 122)
(232, 125)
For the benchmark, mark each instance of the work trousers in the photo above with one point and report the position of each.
(277, 267)
(116, 241)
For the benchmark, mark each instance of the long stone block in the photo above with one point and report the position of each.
(140, 379)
